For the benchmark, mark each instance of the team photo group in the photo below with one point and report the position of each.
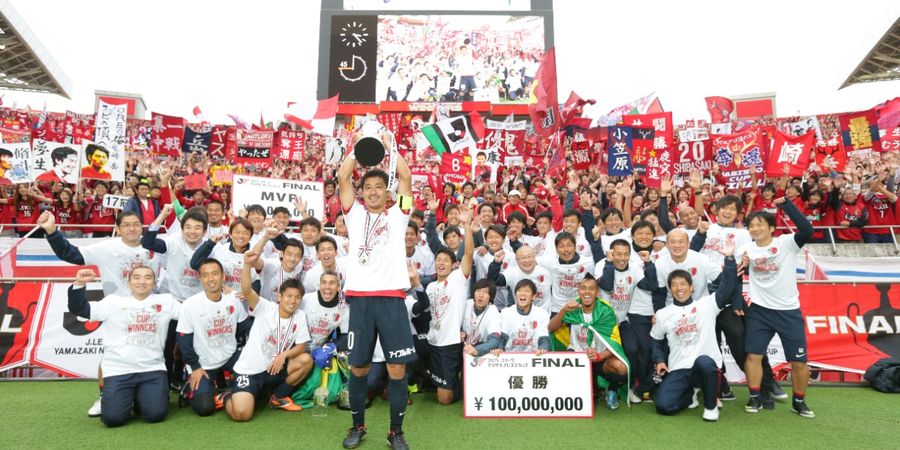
(229, 312)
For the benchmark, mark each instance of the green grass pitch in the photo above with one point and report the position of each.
(53, 415)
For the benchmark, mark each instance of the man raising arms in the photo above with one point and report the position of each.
(377, 281)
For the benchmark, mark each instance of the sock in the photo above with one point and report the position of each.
(101, 390)
(358, 388)
(754, 392)
(615, 380)
(397, 396)
(283, 390)
(798, 396)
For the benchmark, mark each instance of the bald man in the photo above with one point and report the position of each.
(526, 267)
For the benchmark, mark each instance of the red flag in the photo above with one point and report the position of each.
(719, 108)
(456, 167)
(544, 106)
(199, 115)
(859, 131)
(557, 163)
(888, 114)
(318, 116)
(831, 155)
(790, 153)
(573, 109)
(195, 181)
(166, 134)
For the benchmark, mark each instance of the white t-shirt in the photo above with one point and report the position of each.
(270, 335)
(717, 235)
(214, 325)
(232, 263)
(607, 240)
(703, 271)
(184, 282)
(691, 331)
(545, 246)
(479, 327)
(579, 336)
(273, 275)
(115, 261)
(377, 250)
(483, 263)
(524, 332)
(566, 278)
(423, 260)
(324, 320)
(341, 242)
(313, 277)
(212, 231)
(309, 256)
(541, 278)
(448, 302)
(773, 273)
(135, 332)
(624, 286)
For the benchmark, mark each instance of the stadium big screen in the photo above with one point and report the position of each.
(486, 50)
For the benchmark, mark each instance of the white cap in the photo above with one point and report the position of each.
(514, 192)
(706, 181)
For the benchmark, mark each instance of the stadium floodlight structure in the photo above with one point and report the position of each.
(882, 63)
(25, 64)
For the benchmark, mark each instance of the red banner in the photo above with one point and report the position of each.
(790, 154)
(890, 141)
(850, 326)
(254, 147)
(290, 145)
(737, 155)
(456, 167)
(859, 131)
(508, 138)
(167, 133)
(218, 141)
(659, 164)
(18, 309)
(195, 182)
(78, 127)
(690, 156)
(664, 132)
(831, 155)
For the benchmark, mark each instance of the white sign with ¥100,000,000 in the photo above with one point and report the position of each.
(522, 385)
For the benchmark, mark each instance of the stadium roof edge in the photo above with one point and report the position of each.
(25, 64)
(882, 62)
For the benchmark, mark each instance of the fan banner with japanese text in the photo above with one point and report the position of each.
(167, 134)
(254, 147)
(790, 154)
(736, 155)
(110, 132)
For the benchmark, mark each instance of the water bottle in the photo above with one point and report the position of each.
(344, 402)
(320, 402)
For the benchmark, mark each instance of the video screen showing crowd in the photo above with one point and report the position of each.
(407, 285)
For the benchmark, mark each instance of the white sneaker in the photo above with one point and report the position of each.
(633, 398)
(694, 402)
(95, 408)
(711, 415)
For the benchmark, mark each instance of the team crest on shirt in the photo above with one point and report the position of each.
(581, 247)
(231, 310)
(505, 265)
(534, 324)
(157, 307)
(693, 271)
(774, 250)
(694, 310)
(730, 236)
(540, 278)
(628, 280)
(336, 317)
(418, 265)
(581, 269)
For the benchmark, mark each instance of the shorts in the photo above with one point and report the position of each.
(762, 324)
(379, 317)
(253, 384)
(445, 362)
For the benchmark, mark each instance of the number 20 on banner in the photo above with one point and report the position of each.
(522, 385)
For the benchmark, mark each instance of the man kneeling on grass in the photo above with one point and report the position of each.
(689, 328)
(276, 354)
(136, 327)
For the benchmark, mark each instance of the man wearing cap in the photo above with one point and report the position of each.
(515, 204)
